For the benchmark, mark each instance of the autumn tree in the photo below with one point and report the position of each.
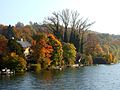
(39, 28)
(13, 62)
(25, 32)
(69, 53)
(3, 44)
(91, 43)
(3, 30)
(20, 62)
(42, 51)
(83, 27)
(57, 54)
(109, 56)
(89, 60)
(14, 46)
(115, 49)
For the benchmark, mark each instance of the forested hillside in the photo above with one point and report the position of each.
(111, 43)
(63, 39)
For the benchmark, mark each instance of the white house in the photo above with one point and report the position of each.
(26, 45)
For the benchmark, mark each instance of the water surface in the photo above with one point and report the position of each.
(100, 77)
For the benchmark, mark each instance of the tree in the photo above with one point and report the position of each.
(13, 62)
(92, 45)
(14, 46)
(57, 54)
(42, 51)
(25, 32)
(89, 60)
(3, 44)
(16, 62)
(77, 31)
(10, 32)
(83, 27)
(65, 17)
(74, 35)
(48, 50)
(74, 19)
(53, 23)
(69, 53)
(19, 25)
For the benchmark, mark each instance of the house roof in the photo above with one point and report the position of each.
(24, 44)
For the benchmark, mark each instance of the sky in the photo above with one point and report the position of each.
(105, 13)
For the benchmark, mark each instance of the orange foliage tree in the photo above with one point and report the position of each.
(93, 46)
(57, 54)
(3, 44)
(42, 51)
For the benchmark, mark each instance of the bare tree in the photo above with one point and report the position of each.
(19, 25)
(74, 19)
(83, 27)
(53, 23)
(65, 17)
(79, 27)
(74, 23)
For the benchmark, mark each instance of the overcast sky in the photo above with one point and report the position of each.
(105, 13)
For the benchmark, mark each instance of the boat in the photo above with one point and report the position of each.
(75, 65)
(6, 71)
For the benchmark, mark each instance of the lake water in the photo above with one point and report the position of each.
(100, 77)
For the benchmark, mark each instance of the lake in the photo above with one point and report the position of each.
(99, 77)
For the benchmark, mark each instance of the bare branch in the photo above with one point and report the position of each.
(65, 16)
(74, 21)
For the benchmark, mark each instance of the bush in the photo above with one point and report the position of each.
(35, 67)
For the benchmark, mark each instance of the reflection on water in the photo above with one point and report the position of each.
(101, 77)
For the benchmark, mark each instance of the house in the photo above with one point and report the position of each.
(27, 51)
(26, 46)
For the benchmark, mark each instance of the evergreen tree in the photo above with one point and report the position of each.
(10, 32)
(14, 46)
